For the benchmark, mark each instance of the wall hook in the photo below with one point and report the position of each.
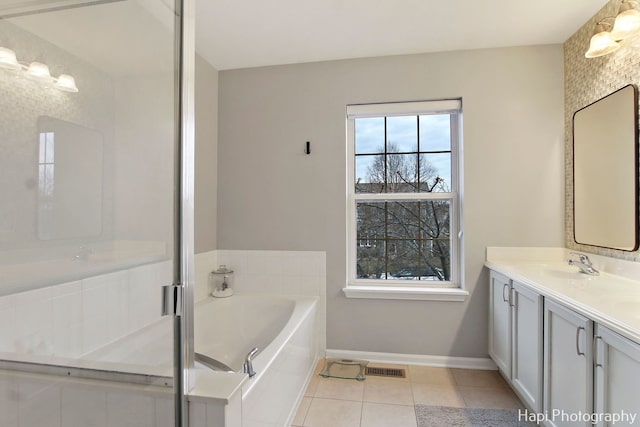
(307, 150)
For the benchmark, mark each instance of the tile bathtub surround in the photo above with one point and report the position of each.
(72, 319)
(276, 272)
(269, 272)
(39, 400)
(389, 402)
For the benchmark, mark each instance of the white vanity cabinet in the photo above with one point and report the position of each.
(568, 364)
(527, 340)
(500, 322)
(617, 375)
(515, 337)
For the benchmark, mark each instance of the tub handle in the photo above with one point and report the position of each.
(247, 367)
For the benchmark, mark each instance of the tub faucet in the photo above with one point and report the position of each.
(583, 263)
(247, 367)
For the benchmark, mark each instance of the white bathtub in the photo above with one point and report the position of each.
(282, 327)
(284, 330)
(226, 329)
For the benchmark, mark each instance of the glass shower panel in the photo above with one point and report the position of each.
(88, 107)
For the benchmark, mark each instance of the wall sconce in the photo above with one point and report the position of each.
(627, 21)
(607, 35)
(36, 71)
(601, 42)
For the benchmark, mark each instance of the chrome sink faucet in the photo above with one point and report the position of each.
(583, 263)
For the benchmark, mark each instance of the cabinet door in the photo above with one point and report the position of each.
(500, 322)
(526, 371)
(617, 381)
(568, 365)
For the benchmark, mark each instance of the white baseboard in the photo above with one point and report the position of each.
(416, 359)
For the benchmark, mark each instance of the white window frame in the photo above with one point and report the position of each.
(407, 289)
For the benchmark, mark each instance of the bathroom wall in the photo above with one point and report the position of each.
(586, 81)
(271, 196)
(206, 123)
(22, 102)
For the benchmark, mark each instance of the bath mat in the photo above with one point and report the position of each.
(344, 368)
(441, 416)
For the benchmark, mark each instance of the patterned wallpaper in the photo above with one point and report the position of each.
(586, 81)
(22, 102)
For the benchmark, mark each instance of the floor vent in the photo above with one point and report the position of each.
(386, 372)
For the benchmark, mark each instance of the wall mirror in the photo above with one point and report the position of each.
(70, 168)
(605, 171)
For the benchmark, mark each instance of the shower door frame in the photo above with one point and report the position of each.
(183, 210)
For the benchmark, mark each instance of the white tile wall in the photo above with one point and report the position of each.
(214, 414)
(28, 400)
(83, 406)
(73, 319)
(270, 272)
(276, 272)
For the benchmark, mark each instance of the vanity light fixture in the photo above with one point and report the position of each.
(627, 21)
(601, 42)
(607, 35)
(36, 71)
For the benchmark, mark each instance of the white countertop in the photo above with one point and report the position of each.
(612, 300)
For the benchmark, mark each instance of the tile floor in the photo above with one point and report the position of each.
(389, 402)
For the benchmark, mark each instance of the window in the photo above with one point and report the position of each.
(404, 196)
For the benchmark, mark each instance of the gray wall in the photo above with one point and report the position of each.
(206, 136)
(272, 196)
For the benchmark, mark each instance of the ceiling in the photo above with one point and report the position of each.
(250, 33)
(234, 34)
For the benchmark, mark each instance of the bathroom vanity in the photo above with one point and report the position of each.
(567, 342)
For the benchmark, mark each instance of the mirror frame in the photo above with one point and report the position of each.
(636, 176)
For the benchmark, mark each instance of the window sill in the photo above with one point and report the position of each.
(406, 293)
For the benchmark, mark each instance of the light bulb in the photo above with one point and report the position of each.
(601, 43)
(66, 83)
(40, 72)
(8, 59)
(627, 22)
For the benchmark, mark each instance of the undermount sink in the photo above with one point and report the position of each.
(557, 271)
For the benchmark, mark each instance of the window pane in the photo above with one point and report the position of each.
(404, 259)
(403, 220)
(435, 132)
(402, 134)
(435, 219)
(435, 173)
(402, 173)
(370, 218)
(371, 260)
(369, 174)
(435, 222)
(369, 135)
(435, 260)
